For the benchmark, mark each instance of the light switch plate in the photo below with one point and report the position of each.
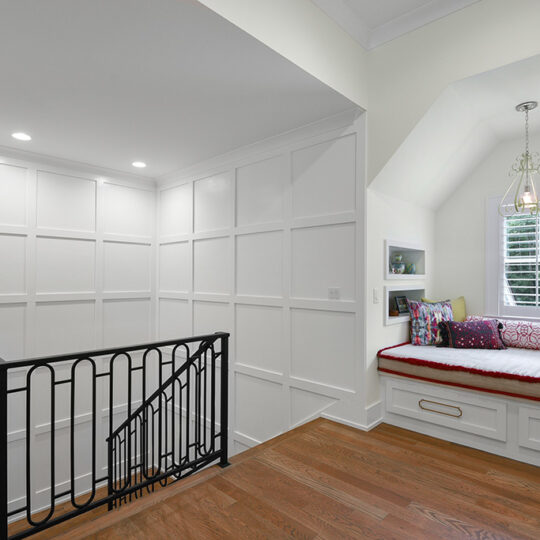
(333, 293)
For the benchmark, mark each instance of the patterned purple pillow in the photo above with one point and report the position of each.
(471, 335)
(425, 319)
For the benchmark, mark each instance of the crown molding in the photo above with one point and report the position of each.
(408, 22)
(74, 166)
(350, 19)
(262, 148)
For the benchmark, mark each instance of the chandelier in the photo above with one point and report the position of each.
(521, 196)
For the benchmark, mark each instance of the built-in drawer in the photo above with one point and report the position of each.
(529, 427)
(449, 408)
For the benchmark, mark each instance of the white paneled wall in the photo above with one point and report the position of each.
(80, 272)
(78, 275)
(252, 245)
(268, 245)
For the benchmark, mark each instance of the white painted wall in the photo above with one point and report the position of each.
(460, 226)
(406, 75)
(385, 80)
(392, 219)
(250, 244)
(78, 269)
(301, 32)
(80, 252)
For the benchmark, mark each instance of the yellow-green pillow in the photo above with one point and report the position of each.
(458, 307)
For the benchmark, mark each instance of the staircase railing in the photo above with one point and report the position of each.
(103, 427)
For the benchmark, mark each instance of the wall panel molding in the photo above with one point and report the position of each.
(247, 286)
(63, 218)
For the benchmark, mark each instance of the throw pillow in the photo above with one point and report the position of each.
(425, 319)
(472, 334)
(516, 333)
(458, 307)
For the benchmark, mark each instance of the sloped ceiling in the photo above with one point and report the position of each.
(460, 129)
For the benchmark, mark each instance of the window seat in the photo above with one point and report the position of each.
(511, 372)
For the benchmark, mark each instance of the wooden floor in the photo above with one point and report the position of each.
(325, 480)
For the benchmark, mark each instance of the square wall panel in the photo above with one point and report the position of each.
(12, 331)
(65, 202)
(259, 264)
(175, 267)
(12, 195)
(323, 347)
(324, 257)
(259, 407)
(65, 265)
(126, 267)
(306, 405)
(64, 327)
(176, 210)
(324, 178)
(128, 210)
(212, 266)
(259, 337)
(12, 249)
(213, 199)
(174, 319)
(126, 322)
(260, 189)
(211, 317)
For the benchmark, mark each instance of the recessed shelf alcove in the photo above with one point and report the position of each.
(413, 254)
(390, 293)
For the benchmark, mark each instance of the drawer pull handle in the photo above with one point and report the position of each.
(456, 414)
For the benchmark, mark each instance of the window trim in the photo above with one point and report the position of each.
(494, 268)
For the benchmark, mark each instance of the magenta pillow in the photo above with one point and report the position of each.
(471, 334)
(515, 333)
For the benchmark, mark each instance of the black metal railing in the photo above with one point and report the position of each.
(103, 427)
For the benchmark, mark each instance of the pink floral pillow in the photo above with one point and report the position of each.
(515, 333)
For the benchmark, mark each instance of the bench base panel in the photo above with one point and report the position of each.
(505, 426)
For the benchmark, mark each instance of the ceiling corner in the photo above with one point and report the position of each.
(341, 12)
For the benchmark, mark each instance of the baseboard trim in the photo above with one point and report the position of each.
(339, 420)
(374, 414)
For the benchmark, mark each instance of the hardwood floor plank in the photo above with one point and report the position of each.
(291, 528)
(423, 486)
(481, 480)
(329, 481)
(307, 476)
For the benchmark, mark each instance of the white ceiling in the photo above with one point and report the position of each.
(374, 22)
(168, 82)
(460, 129)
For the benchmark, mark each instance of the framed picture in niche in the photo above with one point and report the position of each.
(401, 304)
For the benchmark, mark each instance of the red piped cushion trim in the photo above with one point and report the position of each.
(446, 367)
(468, 387)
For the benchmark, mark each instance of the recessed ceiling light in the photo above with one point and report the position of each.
(20, 136)
(139, 164)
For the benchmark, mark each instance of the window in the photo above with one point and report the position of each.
(512, 263)
(519, 261)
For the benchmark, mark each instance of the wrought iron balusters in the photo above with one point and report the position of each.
(154, 437)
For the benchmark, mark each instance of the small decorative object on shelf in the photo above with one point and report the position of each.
(410, 268)
(397, 266)
(401, 304)
(404, 261)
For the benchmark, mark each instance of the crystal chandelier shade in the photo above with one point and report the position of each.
(522, 195)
